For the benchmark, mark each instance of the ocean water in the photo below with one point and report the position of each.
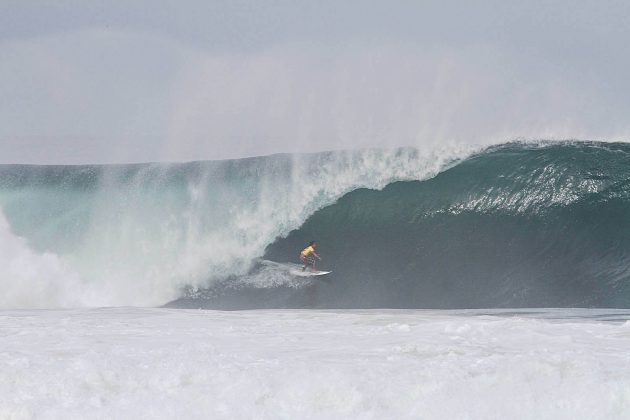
(157, 290)
(145, 363)
(144, 234)
(513, 225)
(516, 225)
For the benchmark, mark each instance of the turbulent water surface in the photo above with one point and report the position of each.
(148, 363)
(514, 225)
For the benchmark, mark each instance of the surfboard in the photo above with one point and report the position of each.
(308, 273)
(293, 269)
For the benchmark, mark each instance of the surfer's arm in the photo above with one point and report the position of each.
(317, 255)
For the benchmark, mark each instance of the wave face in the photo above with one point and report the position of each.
(517, 225)
(145, 234)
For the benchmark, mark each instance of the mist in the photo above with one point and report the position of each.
(116, 87)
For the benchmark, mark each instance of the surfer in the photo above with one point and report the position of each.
(308, 255)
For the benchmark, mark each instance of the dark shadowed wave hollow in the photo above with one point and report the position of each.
(518, 225)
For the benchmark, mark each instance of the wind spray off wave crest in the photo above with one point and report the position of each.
(139, 234)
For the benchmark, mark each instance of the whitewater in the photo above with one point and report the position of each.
(153, 290)
(144, 363)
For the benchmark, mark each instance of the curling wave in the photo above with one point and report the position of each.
(145, 234)
(515, 225)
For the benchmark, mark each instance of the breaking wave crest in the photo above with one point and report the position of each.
(143, 234)
(515, 225)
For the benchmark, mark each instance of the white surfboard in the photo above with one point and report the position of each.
(308, 273)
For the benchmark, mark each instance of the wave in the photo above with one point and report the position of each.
(515, 225)
(144, 234)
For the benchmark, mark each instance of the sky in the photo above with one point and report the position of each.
(155, 80)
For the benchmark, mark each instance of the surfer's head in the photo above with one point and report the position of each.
(312, 243)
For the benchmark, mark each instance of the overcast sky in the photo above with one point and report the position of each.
(145, 80)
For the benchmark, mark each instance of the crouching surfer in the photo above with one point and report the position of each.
(308, 255)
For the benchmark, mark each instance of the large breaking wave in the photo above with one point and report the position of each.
(144, 234)
(508, 226)
(517, 225)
